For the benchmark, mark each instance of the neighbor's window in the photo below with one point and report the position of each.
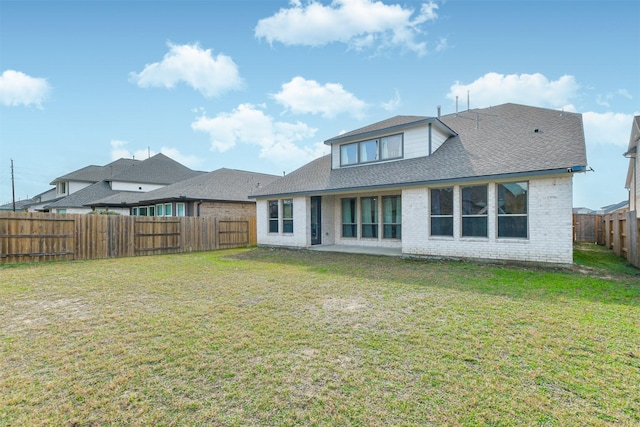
(287, 216)
(442, 211)
(180, 209)
(512, 210)
(392, 217)
(142, 211)
(388, 147)
(152, 211)
(61, 211)
(159, 210)
(135, 212)
(62, 188)
(349, 225)
(369, 215)
(168, 209)
(474, 211)
(273, 216)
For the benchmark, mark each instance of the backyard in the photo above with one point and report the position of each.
(271, 337)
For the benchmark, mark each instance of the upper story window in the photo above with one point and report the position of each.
(62, 188)
(373, 150)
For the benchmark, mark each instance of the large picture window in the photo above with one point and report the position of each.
(385, 148)
(442, 211)
(273, 216)
(287, 216)
(474, 211)
(369, 210)
(512, 210)
(349, 225)
(392, 217)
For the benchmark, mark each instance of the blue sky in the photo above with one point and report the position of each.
(259, 85)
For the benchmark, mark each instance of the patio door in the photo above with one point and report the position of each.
(316, 219)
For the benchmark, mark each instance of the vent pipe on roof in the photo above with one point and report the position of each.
(438, 111)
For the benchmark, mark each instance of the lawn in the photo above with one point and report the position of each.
(269, 337)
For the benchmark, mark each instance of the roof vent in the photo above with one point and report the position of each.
(536, 130)
(438, 111)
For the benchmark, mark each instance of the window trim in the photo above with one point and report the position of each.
(378, 157)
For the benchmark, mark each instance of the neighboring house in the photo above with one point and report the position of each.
(122, 177)
(493, 184)
(633, 174)
(622, 206)
(584, 211)
(33, 204)
(223, 192)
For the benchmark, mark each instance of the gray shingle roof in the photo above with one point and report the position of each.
(222, 184)
(82, 197)
(158, 169)
(490, 142)
(93, 173)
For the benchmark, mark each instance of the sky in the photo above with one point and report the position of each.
(259, 85)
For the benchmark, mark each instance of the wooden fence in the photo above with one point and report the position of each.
(588, 228)
(28, 237)
(621, 234)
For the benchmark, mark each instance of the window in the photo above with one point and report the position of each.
(349, 154)
(474, 211)
(349, 226)
(388, 147)
(442, 211)
(391, 147)
(512, 210)
(62, 188)
(61, 211)
(273, 216)
(392, 217)
(180, 210)
(159, 210)
(369, 212)
(152, 211)
(135, 212)
(369, 151)
(142, 211)
(287, 216)
(168, 209)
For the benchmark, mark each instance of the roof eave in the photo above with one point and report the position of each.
(434, 182)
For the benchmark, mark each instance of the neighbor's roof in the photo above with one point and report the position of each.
(158, 169)
(95, 173)
(500, 141)
(82, 197)
(222, 185)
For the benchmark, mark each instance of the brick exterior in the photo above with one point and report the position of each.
(549, 221)
(225, 209)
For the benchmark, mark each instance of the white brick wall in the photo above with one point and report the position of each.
(550, 227)
(301, 236)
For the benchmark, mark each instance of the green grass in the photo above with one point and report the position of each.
(278, 337)
(599, 257)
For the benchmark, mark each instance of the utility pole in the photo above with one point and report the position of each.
(13, 188)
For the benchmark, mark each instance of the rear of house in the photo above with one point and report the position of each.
(492, 184)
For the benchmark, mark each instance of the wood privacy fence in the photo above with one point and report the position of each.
(621, 232)
(28, 237)
(588, 228)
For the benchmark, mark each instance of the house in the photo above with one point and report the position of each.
(223, 192)
(634, 167)
(126, 177)
(491, 184)
(33, 204)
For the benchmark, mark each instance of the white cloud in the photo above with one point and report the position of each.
(17, 88)
(248, 124)
(301, 96)
(608, 128)
(393, 103)
(358, 23)
(118, 151)
(604, 100)
(194, 66)
(529, 89)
